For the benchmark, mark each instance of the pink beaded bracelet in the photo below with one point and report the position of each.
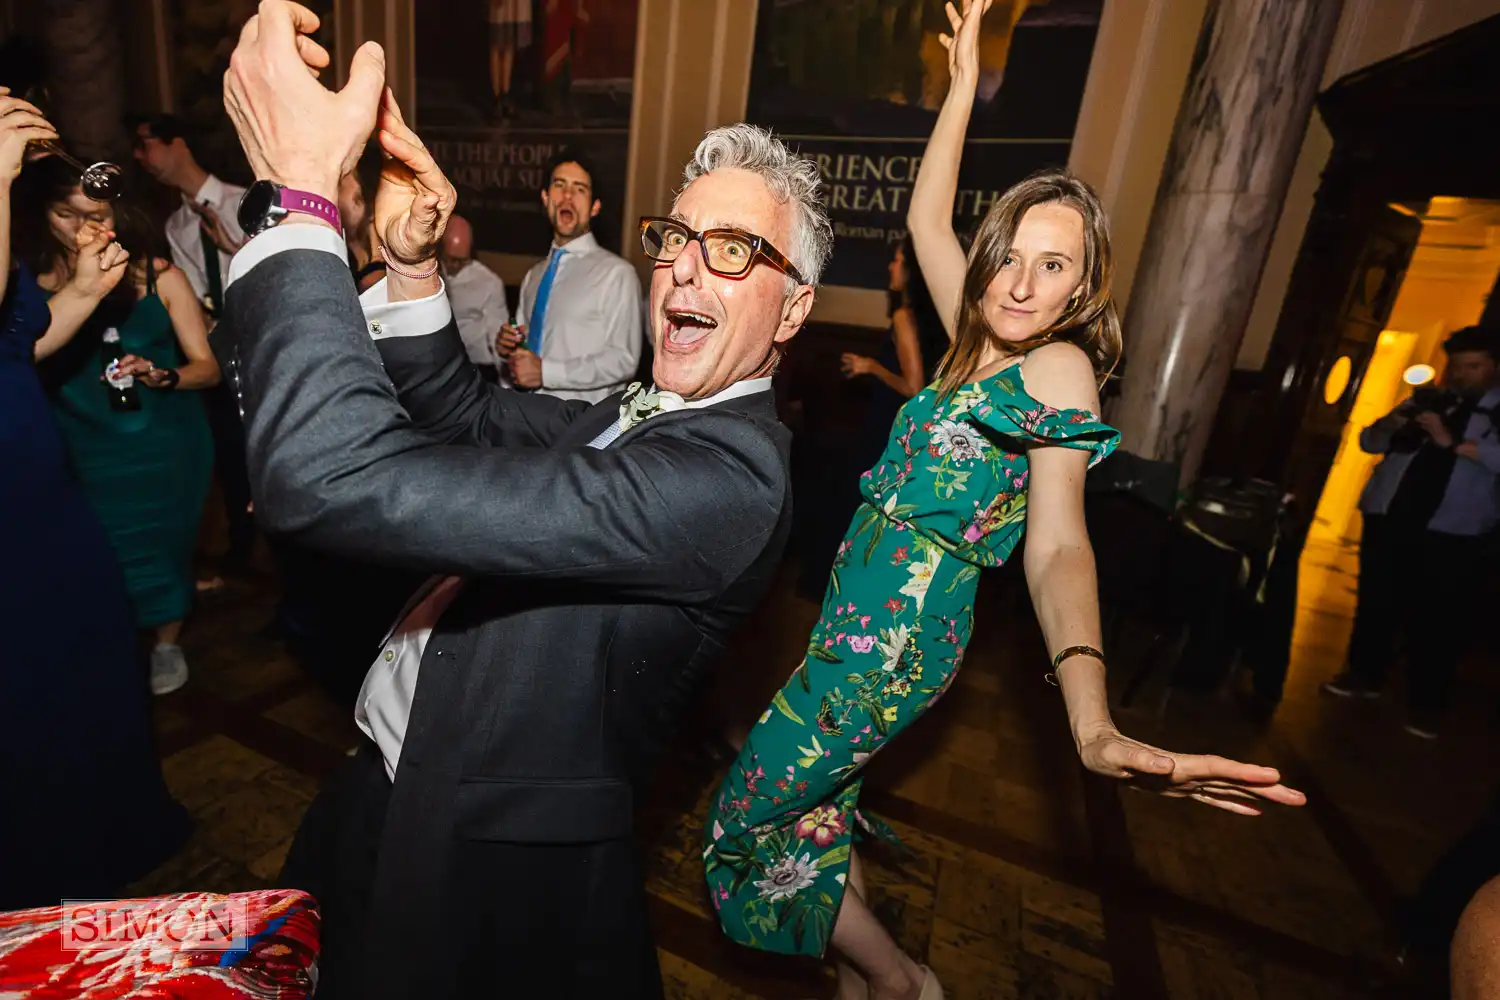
(402, 271)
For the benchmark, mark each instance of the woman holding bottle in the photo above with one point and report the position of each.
(140, 440)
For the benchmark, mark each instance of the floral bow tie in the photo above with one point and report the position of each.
(640, 403)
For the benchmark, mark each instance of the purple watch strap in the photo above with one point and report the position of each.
(311, 204)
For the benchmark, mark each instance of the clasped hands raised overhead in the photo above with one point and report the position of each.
(301, 135)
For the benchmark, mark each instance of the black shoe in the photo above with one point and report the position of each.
(1351, 685)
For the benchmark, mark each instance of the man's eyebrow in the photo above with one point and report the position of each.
(729, 224)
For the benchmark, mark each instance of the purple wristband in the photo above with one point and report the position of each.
(310, 204)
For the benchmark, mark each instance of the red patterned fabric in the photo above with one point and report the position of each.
(194, 946)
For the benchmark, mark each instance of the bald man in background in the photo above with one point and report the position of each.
(477, 295)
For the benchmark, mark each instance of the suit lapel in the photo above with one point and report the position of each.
(592, 423)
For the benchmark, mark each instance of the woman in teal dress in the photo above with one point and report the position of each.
(997, 446)
(146, 471)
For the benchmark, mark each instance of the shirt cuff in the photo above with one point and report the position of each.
(412, 318)
(300, 236)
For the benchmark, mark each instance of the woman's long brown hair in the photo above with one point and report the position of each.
(1090, 320)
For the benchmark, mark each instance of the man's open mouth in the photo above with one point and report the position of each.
(685, 327)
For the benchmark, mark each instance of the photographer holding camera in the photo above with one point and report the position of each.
(1427, 509)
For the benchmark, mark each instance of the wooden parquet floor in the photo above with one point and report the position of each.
(1024, 878)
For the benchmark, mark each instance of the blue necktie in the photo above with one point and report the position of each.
(539, 307)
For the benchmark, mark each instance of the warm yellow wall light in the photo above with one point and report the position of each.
(1419, 374)
(1337, 381)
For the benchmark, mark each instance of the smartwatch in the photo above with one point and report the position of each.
(266, 203)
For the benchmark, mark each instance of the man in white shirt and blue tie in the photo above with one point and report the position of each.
(579, 332)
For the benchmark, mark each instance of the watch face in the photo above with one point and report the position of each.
(256, 205)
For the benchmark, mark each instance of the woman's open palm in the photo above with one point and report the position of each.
(1215, 781)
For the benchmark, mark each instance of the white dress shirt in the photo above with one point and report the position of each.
(183, 228)
(384, 705)
(478, 298)
(591, 343)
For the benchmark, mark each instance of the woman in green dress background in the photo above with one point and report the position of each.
(145, 471)
(997, 446)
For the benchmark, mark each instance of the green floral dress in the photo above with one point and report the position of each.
(947, 498)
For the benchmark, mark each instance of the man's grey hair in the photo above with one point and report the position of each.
(791, 178)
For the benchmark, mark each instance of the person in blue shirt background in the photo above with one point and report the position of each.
(1428, 506)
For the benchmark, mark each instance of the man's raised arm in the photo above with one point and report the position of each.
(336, 462)
(438, 384)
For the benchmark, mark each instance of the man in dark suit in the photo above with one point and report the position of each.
(588, 561)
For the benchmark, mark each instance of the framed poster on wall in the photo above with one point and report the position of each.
(504, 84)
(857, 85)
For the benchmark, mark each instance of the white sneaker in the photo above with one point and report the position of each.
(169, 669)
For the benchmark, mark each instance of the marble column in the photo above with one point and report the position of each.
(86, 77)
(1240, 125)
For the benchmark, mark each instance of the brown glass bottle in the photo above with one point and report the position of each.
(123, 392)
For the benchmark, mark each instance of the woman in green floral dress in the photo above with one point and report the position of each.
(996, 447)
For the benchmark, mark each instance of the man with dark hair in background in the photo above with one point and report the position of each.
(578, 334)
(206, 218)
(1427, 508)
(203, 235)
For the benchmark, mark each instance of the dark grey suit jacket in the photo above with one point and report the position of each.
(600, 585)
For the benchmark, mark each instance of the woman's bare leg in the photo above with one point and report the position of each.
(852, 985)
(869, 958)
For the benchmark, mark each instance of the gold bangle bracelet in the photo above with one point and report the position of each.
(1071, 651)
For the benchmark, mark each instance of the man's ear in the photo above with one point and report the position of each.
(794, 313)
(597, 206)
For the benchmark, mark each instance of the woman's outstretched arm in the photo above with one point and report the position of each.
(1065, 590)
(930, 218)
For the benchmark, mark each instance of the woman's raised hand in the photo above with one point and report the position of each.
(101, 261)
(963, 44)
(414, 201)
(20, 123)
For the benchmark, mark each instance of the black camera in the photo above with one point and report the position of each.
(1424, 399)
(1434, 399)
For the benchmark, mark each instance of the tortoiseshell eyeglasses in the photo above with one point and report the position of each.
(726, 252)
